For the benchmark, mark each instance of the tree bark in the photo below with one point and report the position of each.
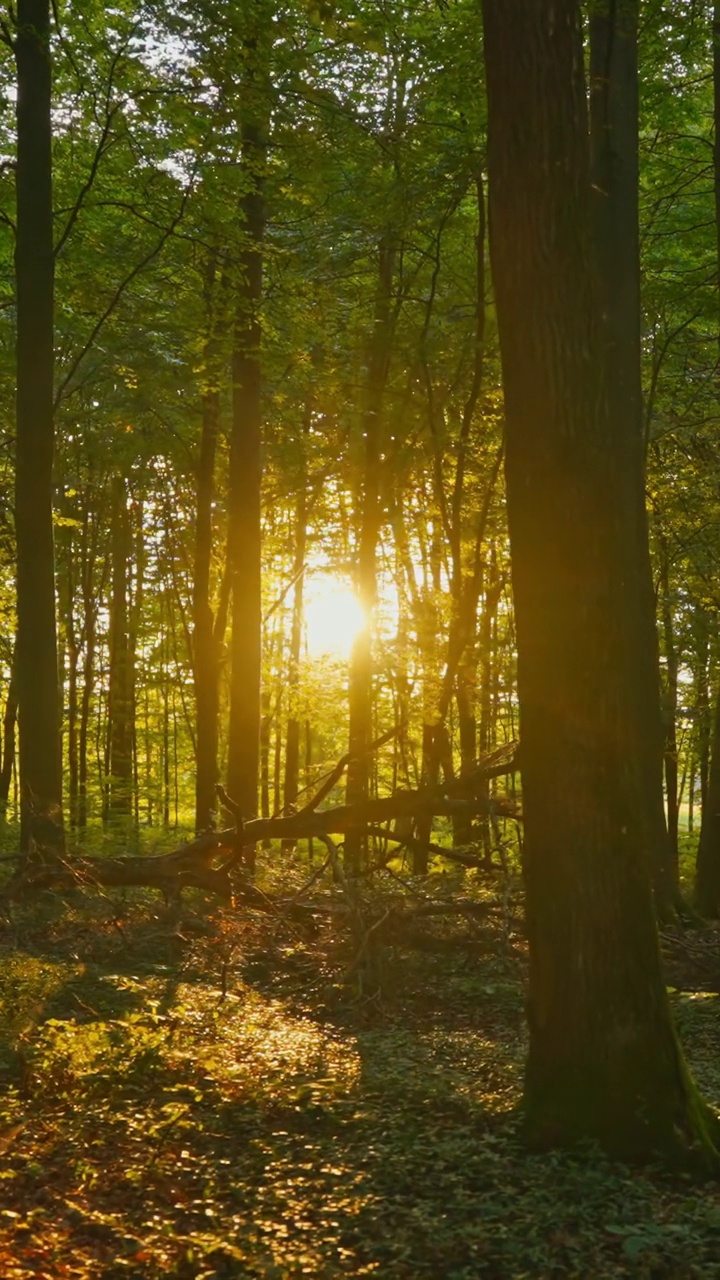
(120, 704)
(244, 536)
(669, 710)
(360, 681)
(614, 175)
(206, 650)
(37, 650)
(8, 741)
(707, 866)
(292, 740)
(604, 1062)
(205, 657)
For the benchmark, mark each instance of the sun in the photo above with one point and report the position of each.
(333, 617)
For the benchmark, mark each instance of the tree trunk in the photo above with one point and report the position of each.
(707, 867)
(603, 1061)
(206, 657)
(90, 590)
(8, 742)
(37, 653)
(669, 709)
(614, 177)
(360, 682)
(244, 535)
(120, 765)
(292, 741)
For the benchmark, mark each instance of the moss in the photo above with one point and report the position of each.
(669, 1120)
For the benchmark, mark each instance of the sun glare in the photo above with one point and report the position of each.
(333, 617)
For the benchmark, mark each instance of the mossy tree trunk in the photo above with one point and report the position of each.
(603, 1062)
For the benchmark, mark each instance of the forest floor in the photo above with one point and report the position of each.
(215, 1097)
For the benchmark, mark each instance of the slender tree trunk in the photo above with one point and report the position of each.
(120, 770)
(277, 753)
(73, 655)
(670, 699)
(8, 742)
(244, 536)
(206, 662)
(37, 651)
(603, 1060)
(69, 657)
(308, 772)
(707, 867)
(89, 633)
(292, 740)
(136, 612)
(360, 680)
(206, 658)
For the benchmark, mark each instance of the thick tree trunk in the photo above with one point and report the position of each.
(614, 174)
(37, 654)
(244, 536)
(603, 1060)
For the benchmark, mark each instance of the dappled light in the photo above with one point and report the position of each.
(359, 640)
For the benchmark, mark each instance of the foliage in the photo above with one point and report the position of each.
(151, 1126)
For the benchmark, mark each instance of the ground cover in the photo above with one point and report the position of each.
(215, 1096)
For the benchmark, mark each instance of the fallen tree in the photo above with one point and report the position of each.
(212, 861)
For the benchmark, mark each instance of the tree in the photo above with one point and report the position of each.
(37, 655)
(603, 1060)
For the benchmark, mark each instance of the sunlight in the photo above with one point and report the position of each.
(333, 617)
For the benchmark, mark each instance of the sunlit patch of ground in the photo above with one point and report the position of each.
(151, 1125)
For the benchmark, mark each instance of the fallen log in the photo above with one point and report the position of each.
(207, 862)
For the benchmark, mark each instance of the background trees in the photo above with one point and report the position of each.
(255, 311)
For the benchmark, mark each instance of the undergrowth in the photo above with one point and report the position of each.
(207, 1096)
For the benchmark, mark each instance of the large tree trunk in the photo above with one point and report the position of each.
(614, 178)
(603, 1060)
(37, 654)
(244, 537)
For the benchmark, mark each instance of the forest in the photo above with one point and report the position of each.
(360, 639)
